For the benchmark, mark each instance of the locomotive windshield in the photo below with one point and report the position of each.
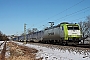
(73, 28)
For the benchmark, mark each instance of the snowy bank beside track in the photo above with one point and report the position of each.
(60, 53)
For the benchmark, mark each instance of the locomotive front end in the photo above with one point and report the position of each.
(73, 33)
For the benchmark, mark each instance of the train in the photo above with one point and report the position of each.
(63, 33)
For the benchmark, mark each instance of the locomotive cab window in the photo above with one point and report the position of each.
(76, 28)
(73, 28)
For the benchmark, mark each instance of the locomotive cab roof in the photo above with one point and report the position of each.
(59, 25)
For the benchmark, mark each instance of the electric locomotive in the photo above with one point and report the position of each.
(64, 33)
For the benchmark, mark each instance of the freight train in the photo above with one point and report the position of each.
(63, 33)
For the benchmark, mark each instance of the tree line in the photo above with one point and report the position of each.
(3, 37)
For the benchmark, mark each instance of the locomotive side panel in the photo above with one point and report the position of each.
(52, 34)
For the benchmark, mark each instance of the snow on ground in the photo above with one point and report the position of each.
(1, 42)
(58, 54)
(1, 47)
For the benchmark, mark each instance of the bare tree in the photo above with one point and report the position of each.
(29, 31)
(22, 34)
(34, 30)
(85, 27)
(3, 37)
(88, 25)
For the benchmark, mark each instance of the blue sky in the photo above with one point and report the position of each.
(36, 13)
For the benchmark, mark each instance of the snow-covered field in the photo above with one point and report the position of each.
(1, 47)
(59, 54)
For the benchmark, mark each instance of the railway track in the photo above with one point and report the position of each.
(1, 43)
(78, 49)
(83, 45)
(3, 51)
(78, 45)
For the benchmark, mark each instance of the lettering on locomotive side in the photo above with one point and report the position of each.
(51, 33)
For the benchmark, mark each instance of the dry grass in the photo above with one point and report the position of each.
(18, 52)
